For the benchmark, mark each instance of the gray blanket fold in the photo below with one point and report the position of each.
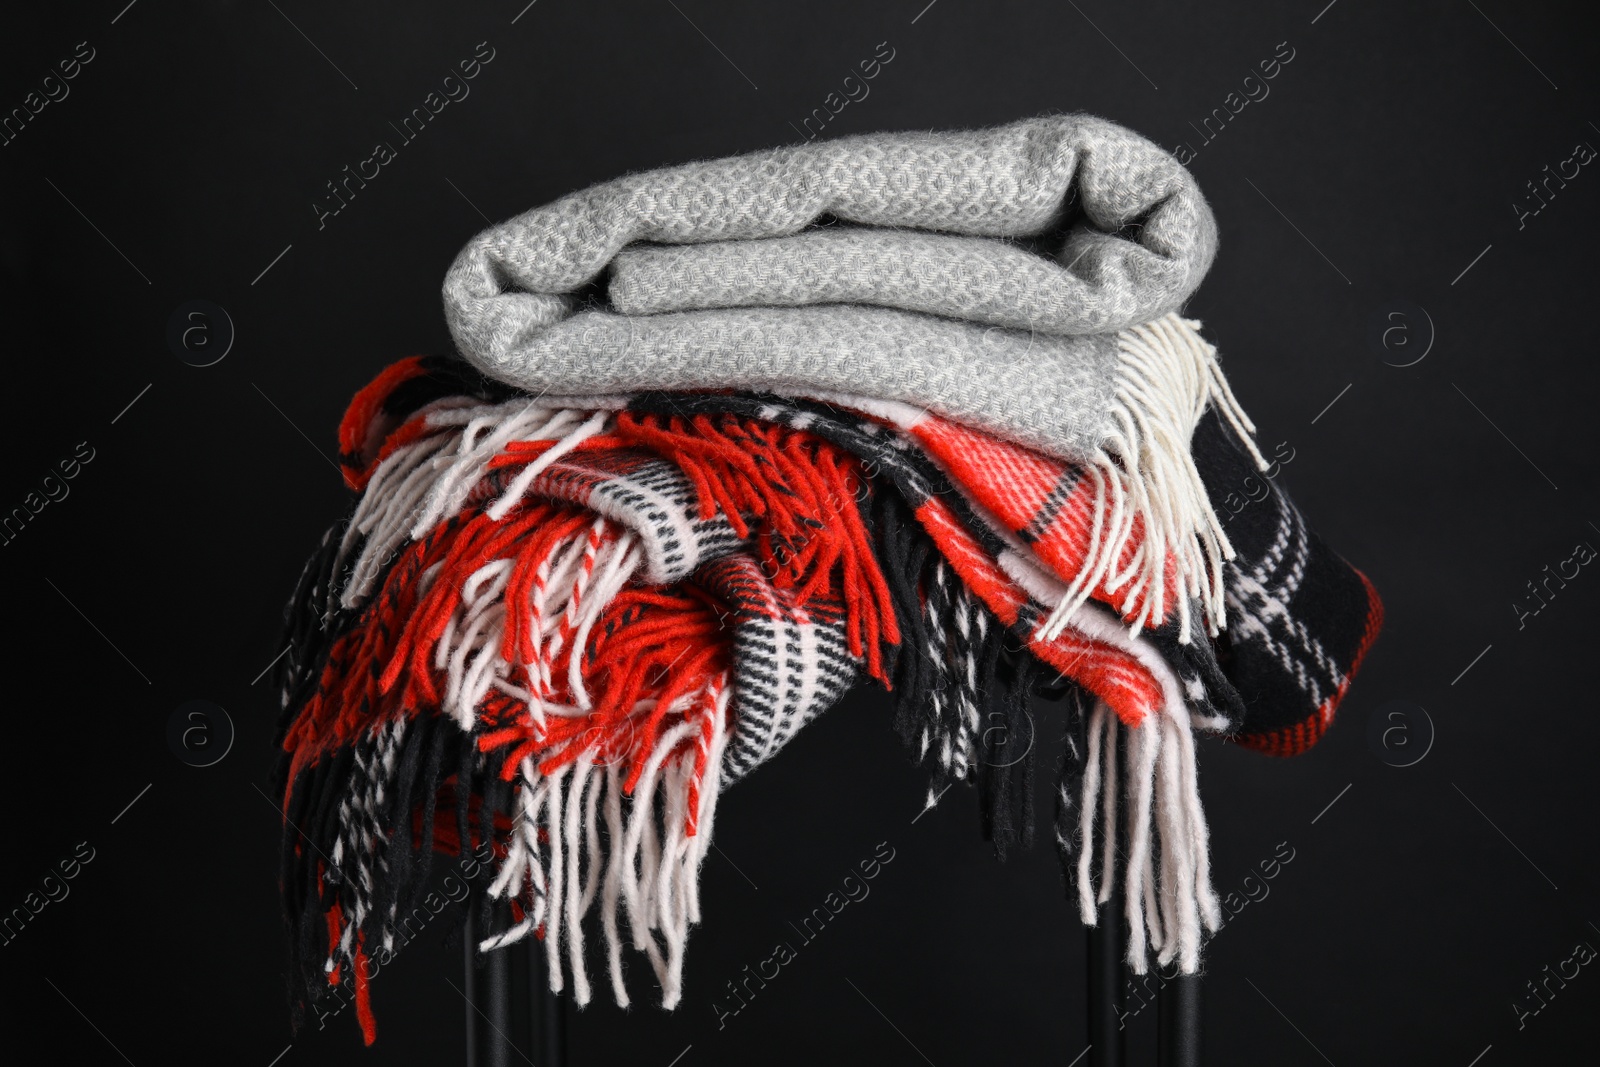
(976, 279)
(925, 223)
(1023, 280)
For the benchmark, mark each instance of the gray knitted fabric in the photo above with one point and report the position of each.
(987, 276)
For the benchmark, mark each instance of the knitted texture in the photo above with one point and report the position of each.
(1017, 227)
(1048, 254)
(916, 410)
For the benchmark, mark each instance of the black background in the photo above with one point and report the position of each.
(1387, 158)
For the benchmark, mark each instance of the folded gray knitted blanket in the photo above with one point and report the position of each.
(1023, 280)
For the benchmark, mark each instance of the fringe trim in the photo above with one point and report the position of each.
(644, 868)
(611, 783)
(962, 686)
(426, 479)
(592, 707)
(1167, 872)
(1146, 485)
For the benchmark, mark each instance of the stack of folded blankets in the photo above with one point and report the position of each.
(917, 411)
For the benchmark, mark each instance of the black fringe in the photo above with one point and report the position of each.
(929, 662)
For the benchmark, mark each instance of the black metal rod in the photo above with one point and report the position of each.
(546, 1010)
(497, 979)
(1107, 977)
(489, 1004)
(1178, 1011)
(472, 986)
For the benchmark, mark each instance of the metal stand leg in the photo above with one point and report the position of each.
(1178, 1022)
(547, 1011)
(489, 1004)
(512, 1016)
(1106, 980)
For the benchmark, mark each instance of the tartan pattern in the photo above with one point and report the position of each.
(791, 661)
(642, 492)
(1047, 503)
(359, 768)
(356, 768)
(1300, 619)
(972, 548)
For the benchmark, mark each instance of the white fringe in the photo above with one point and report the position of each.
(651, 865)
(420, 484)
(1167, 890)
(1167, 375)
(645, 866)
(1167, 871)
(630, 854)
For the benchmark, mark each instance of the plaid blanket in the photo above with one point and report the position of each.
(1301, 619)
(970, 509)
(558, 629)
(555, 628)
(576, 607)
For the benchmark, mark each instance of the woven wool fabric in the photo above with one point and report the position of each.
(732, 437)
(1048, 255)
(574, 617)
(1301, 619)
(951, 512)
(462, 623)
(744, 297)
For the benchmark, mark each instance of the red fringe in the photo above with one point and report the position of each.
(793, 496)
(810, 535)
(361, 420)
